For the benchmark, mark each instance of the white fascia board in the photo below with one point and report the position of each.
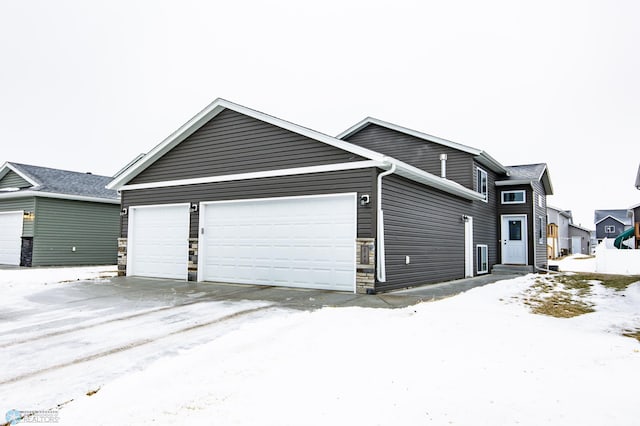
(8, 166)
(258, 175)
(481, 156)
(214, 109)
(514, 182)
(23, 194)
(614, 218)
(490, 162)
(446, 185)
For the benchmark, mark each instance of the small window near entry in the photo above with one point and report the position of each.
(482, 183)
(541, 229)
(482, 258)
(513, 197)
(539, 200)
(609, 229)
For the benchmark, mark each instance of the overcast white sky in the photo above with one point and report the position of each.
(89, 85)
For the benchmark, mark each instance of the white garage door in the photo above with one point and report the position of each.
(295, 242)
(158, 241)
(10, 238)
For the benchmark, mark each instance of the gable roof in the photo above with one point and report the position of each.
(573, 225)
(565, 213)
(480, 156)
(216, 107)
(620, 215)
(527, 174)
(56, 183)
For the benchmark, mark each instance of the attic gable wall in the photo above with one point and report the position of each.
(13, 180)
(233, 143)
(417, 152)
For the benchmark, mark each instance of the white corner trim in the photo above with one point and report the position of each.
(214, 109)
(23, 194)
(257, 175)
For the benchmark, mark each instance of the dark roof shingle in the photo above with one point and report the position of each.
(67, 182)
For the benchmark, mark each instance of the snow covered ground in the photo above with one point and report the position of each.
(480, 358)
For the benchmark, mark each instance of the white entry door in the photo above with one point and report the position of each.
(514, 240)
(304, 241)
(158, 241)
(10, 237)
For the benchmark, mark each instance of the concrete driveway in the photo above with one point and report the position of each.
(70, 339)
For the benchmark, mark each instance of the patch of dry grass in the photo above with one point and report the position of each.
(563, 295)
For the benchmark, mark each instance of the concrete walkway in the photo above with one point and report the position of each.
(306, 299)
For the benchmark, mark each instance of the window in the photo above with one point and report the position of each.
(482, 258)
(482, 183)
(610, 229)
(541, 229)
(513, 197)
(540, 201)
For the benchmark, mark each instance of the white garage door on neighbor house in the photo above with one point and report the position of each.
(158, 241)
(304, 241)
(10, 237)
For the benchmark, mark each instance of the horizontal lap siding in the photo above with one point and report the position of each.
(13, 180)
(485, 221)
(62, 224)
(540, 211)
(417, 152)
(360, 181)
(21, 204)
(426, 225)
(233, 143)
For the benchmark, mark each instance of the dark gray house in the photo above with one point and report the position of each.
(236, 195)
(56, 217)
(611, 223)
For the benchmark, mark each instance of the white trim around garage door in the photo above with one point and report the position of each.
(173, 254)
(10, 240)
(271, 259)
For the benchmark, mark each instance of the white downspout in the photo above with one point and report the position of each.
(381, 273)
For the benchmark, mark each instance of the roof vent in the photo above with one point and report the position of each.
(89, 173)
(443, 165)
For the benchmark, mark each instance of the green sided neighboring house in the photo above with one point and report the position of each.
(56, 217)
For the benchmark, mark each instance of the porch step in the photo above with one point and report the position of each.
(512, 269)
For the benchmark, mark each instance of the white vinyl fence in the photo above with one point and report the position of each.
(615, 261)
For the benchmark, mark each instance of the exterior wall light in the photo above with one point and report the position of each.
(27, 215)
(365, 199)
(124, 211)
(194, 207)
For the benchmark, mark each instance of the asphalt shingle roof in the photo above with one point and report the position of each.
(620, 214)
(67, 182)
(526, 172)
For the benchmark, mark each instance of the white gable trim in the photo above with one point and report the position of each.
(257, 175)
(6, 167)
(215, 108)
(481, 156)
(614, 218)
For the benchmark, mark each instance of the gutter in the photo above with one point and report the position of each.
(380, 263)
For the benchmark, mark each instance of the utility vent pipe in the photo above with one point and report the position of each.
(443, 165)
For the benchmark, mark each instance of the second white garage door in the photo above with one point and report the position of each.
(158, 244)
(10, 237)
(295, 242)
